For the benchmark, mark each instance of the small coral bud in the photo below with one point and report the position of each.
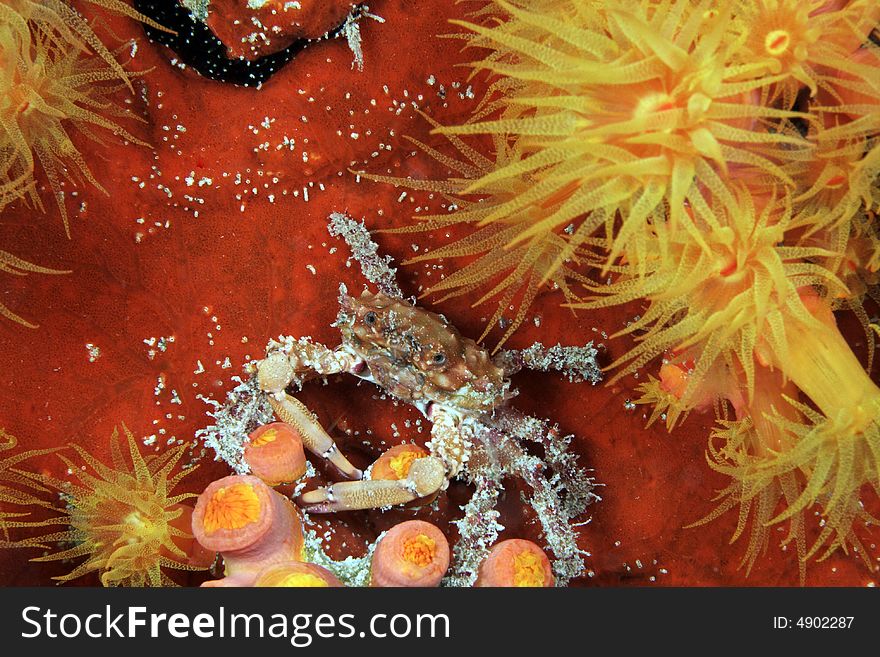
(395, 463)
(673, 379)
(249, 524)
(297, 574)
(275, 453)
(413, 553)
(516, 562)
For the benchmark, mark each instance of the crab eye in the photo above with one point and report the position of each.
(370, 318)
(438, 358)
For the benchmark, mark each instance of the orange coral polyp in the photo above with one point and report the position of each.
(674, 379)
(395, 462)
(272, 534)
(402, 463)
(268, 436)
(211, 532)
(275, 453)
(232, 508)
(528, 570)
(515, 562)
(413, 553)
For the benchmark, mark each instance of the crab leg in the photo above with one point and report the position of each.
(315, 439)
(451, 438)
(305, 359)
(450, 444)
(426, 476)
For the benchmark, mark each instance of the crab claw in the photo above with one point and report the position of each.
(315, 439)
(426, 476)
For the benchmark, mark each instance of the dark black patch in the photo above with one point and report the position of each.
(197, 47)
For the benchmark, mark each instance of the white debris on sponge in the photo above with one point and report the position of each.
(198, 9)
(351, 571)
(246, 408)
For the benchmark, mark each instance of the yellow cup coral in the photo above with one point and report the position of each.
(123, 519)
(48, 91)
(717, 162)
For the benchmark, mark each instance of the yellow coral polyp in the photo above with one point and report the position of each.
(123, 519)
(731, 292)
(232, 507)
(611, 120)
(419, 550)
(54, 88)
(635, 124)
(303, 580)
(802, 40)
(528, 570)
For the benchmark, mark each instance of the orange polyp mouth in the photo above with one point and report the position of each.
(232, 507)
(401, 463)
(268, 436)
(777, 42)
(652, 103)
(419, 550)
(728, 269)
(528, 570)
(836, 181)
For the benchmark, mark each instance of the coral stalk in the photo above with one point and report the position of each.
(249, 524)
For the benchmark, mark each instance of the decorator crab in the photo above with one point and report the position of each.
(418, 357)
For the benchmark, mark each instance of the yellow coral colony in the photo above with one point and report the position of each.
(124, 520)
(49, 86)
(719, 162)
(56, 77)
